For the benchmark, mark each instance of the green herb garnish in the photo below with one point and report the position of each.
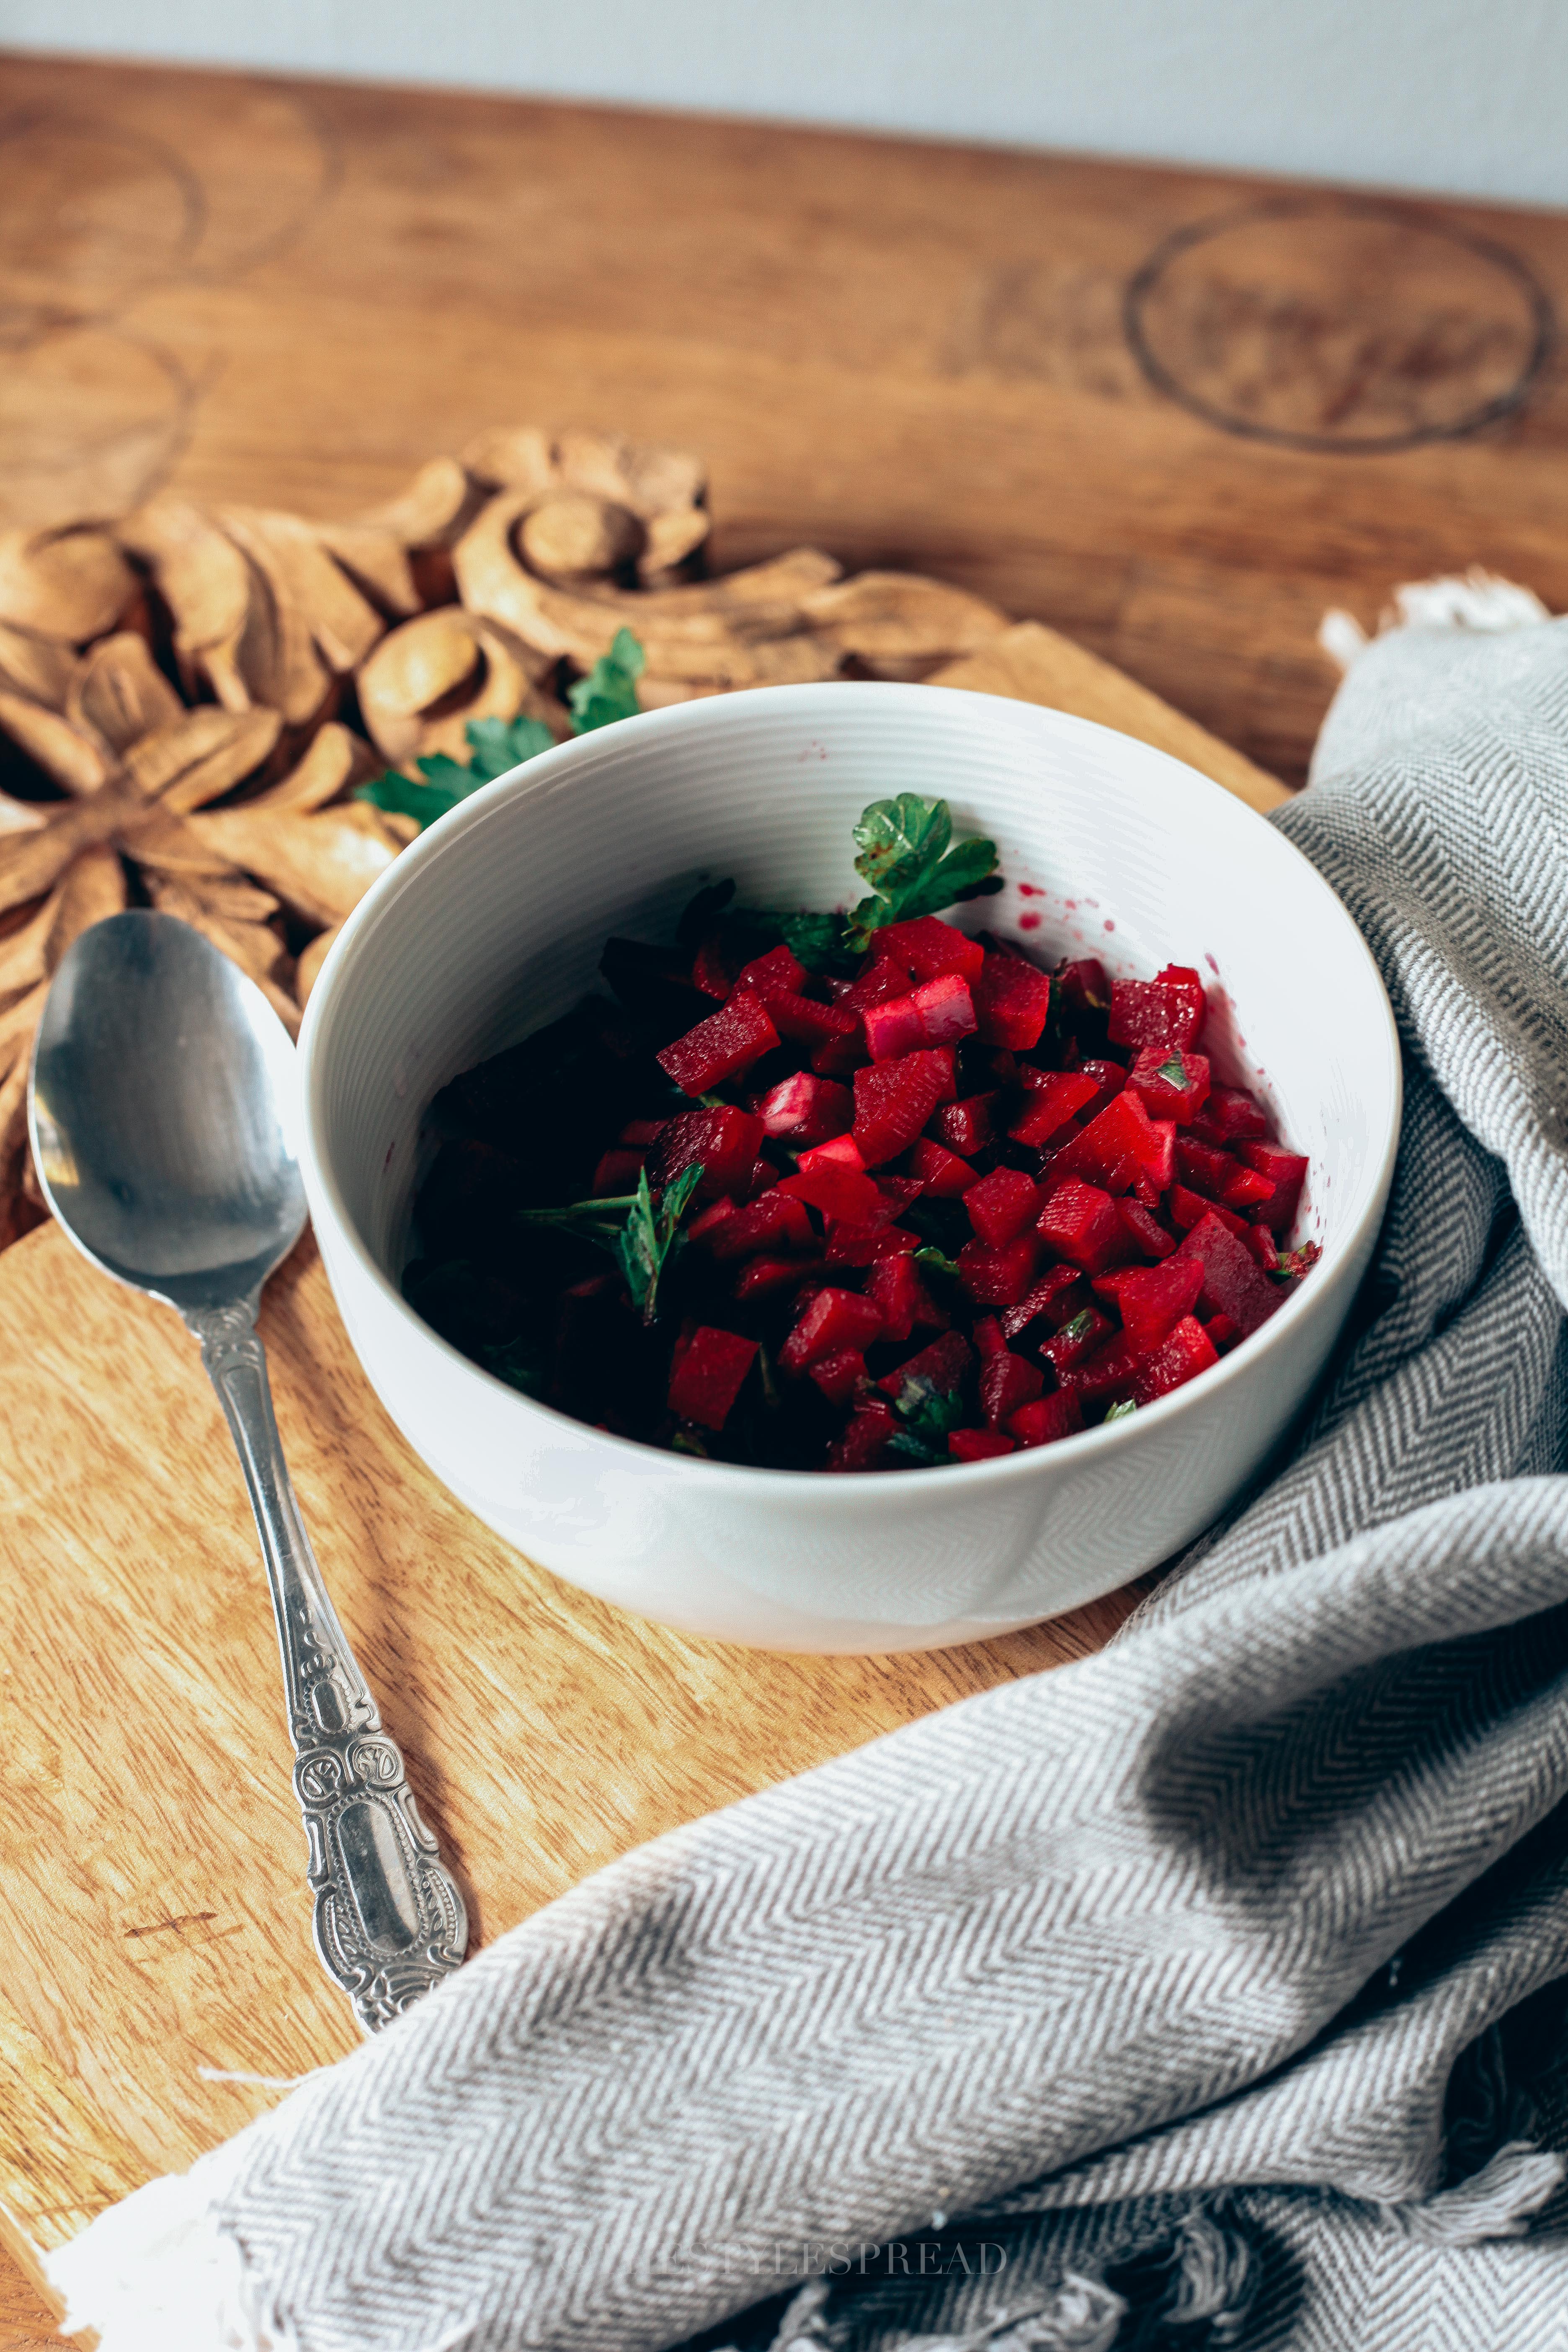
(1120, 1412)
(1174, 1071)
(904, 855)
(608, 692)
(610, 689)
(928, 1415)
(1080, 1327)
(1294, 1263)
(937, 1260)
(641, 1234)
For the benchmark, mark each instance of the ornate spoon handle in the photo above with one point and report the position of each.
(389, 1922)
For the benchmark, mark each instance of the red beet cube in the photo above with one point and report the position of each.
(1186, 1352)
(1079, 1222)
(1223, 1334)
(1007, 1381)
(725, 1140)
(1059, 1295)
(867, 1245)
(847, 1195)
(1076, 1341)
(710, 972)
(998, 1276)
(731, 1039)
(865, 1441)
(1106, 1376)
(876, 984)
(1011, 1001)
(978, 1445)
(1171, 1083)
(942, 1172)
(1286, 1171)
(777, 974)
(764, 1275)
(1243, 1188)
(966, 1126)
(810, 1024)
(1049, 1418)
(893, 1029)
(617, 1172)
(905, 1303)
(987, 1335)
(1262, 1244)
(1152, 1300)
(1108, 1076)
(927, 947)
(1204, 1167)
(1231, 1116)
(807, 1108)
(893, 1101)
(833, 1320)
(640, 1133)
(1052, 1097)
(1118, 1143)
(936, 1013)
(1146, 1233)
(1234, 1283)
(1189, 1209)
(776, 1222)
(943, 1363)
(707, 1376)
(840, 1375)
(1155, 1013)
(1002, 1204)
(1085, 985)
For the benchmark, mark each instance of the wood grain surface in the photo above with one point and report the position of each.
(1175, 415)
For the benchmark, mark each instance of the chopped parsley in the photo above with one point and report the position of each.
(1120, 1412)
(1174, 1071)
(928, 1415)
(904, 855)
(640, 1234)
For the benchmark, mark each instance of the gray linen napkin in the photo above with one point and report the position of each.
(1199, 1993)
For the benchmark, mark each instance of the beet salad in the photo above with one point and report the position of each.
(856, 1191)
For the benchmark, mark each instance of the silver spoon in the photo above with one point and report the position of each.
(161, 1104)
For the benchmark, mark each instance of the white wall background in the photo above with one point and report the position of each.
(1469, 96)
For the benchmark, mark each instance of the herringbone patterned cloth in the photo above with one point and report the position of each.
(1201, 1993)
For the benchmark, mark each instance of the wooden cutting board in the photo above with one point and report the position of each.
(160, 1987)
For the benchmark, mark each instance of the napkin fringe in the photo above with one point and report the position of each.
(1479, 600)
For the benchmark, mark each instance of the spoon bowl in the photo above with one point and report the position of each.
(163, 1099)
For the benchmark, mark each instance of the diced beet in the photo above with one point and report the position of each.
(808, 1024)
(764, 1176)
(988, 1337)
(777, 974)
(942, 1174)
(841, 1055)
(926, 946)
(1085, 985)
(867, 1245)
(1012, 998)
(979, 1444)
(776, 1223)
(906, 1305)
(1079, 1222)
(1106, 1376)
(1223, 1334)
(725, 1140)
(1152, 1012)
(899, 1192)
(943, 1363)
(1147, 1233)
(1076, 1341)
(1204, 1167)
(617, 1172)
(966, 1126)
(1002, 1204)
(703, 1228)
(764, 1275)
(1262, 1244)
(893, 1029)
(1047, 1419)
(1119, 1142)
(807, 1108)
(710, 971)
(1234, 1283)
(1173, 1085)
(1059, 1295)
(1180, 1357)
(844, 1194)
(865, 1440)
(833, 1320)
(840, 1375)
(998, 1277)
(731, 1039)
(1188, 982)
(876, 984)
(944, 1059)
(640, 1133)
(1053, 1095)
(1108, 1076)
(1189, 1209)
(893, 1101)
(1152, 1300)
(1231, 1116)
(946, 1008)
(1007, 1381)
(1245, 1188)
(1286, 1171)
(707, 1376)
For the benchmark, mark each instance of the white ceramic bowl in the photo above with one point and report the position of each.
(492, 923)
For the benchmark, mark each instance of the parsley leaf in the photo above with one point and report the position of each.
(937, 1260)
(927, 1414)
(1174, 1071)
(1120, 1412)
(608, 692)
(641, 1234)
(1081, 1324)
(1294, 1263)
(904, 855)
(610, 689)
